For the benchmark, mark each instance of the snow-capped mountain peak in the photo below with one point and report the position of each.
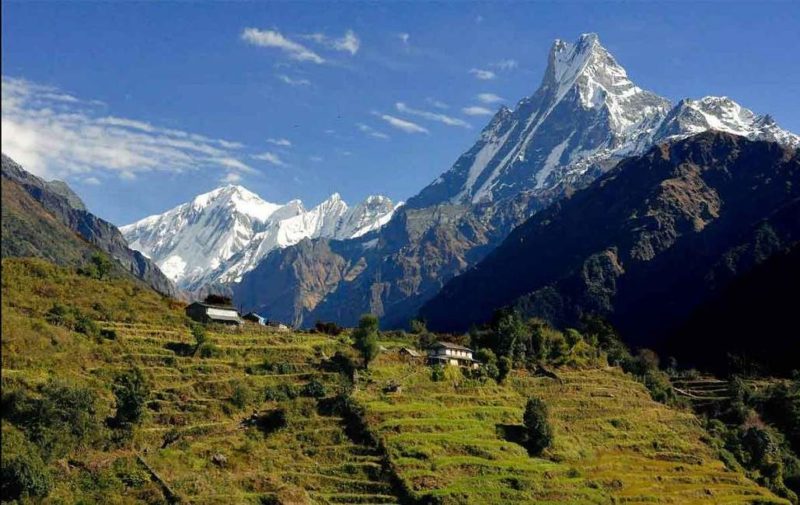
(586, 115)
(221, 234)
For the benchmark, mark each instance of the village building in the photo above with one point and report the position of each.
(446, 353)
(207, 313)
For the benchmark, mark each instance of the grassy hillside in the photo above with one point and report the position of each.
(455, 441)
(255, 416)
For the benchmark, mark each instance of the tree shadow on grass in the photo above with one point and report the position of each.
(514, 433)
(180, 348)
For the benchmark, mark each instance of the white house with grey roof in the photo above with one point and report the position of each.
(446, 353)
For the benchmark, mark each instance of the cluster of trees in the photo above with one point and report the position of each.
(57, 419)
(760, 430)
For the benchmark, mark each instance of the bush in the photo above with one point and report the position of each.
(131, 391)
(539, 434)
(62, 418)
(328, 328)
(199, 334)
(314, 389)
(365, 338)
(209, 350)
(437, 373)
(504, 367)
(241, 396)
(24, 475)
(85, 325)
(213, 299)
(108, 334)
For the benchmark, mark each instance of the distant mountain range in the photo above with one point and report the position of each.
(586, 116)
(48, 220)
(221, 235)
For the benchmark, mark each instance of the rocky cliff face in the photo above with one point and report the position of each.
(63, 205)
(644, 244)
(586, 116)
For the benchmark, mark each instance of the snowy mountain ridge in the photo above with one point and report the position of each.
(586, 115)
(222, 234)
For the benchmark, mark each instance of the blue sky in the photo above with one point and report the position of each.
(141, 106)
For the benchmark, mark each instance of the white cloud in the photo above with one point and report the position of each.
(316, 159)
(270, 158)
(53, 136)
(293, 81)
(372, 132)
(476, 111)
(349, 42)
(92, 181)
(484, 75)
(433, 116)
(281, 142)
(231, 178)
(273, 38)
(437, 103)
(402, 124)
(490, 98)
(507, 64)
(404, 38)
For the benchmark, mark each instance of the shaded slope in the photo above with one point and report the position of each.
(642, 245)
(751, 320)
(60, 203)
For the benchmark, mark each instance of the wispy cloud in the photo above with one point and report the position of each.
(231, 178)
(349, 42)
(91, 181)
(490, 98)
(402, 124)
(437, 103)
(270, 157)
(484, 75)
(432, 116)
(476, 110)
(281, 142)
(404, 38)
(316, 159)
(274, 39)
(55, 136)
(372, 132)
(293, 81)
(507, 64)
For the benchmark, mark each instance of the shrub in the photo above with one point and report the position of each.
(328, 328)
(209, 350)
(314, 389)
(539, 434)
(504, 367)
(131, 391)
(365, 338)
(24, 475)
(437, 373)
(241, 396)
(85, 325)
(213, 299)
(199, 334)
(62, 418)
(108, 334)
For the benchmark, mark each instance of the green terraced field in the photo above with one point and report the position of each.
(613, 444)
(438, 442)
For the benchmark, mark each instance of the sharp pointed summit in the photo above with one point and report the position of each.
(586, 116)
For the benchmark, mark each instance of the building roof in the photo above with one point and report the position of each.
(450, 345)
(212, 306)
(220, 317)
(411, 352)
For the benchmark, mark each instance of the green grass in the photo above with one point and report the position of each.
(613, 444)
(439, 440)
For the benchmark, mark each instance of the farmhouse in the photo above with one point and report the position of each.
(445, 353)
(207, 313)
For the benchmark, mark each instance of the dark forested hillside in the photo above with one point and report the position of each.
(643, 245)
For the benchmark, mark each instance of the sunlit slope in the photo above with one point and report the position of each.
(613, 444)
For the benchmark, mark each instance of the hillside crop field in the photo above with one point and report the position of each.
(261, 416)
